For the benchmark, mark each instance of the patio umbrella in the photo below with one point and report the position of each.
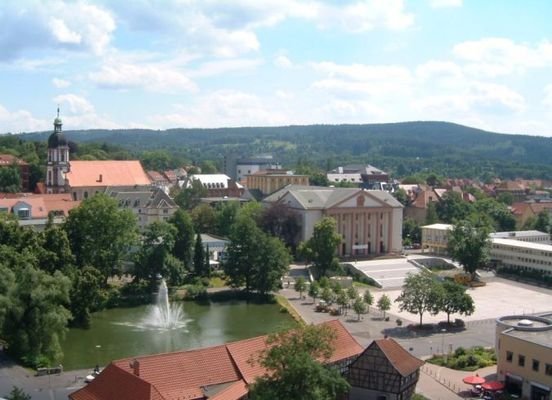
(493, 385)
(473, 380)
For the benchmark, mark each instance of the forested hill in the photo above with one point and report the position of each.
(403, 148)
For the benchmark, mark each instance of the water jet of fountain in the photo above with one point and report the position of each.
(165, 315)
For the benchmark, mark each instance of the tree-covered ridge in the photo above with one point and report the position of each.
(402, 148)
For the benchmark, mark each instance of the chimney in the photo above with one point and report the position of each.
(100, 179)
(135, 365)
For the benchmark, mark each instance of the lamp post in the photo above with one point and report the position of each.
(98, 347)
(443, 331)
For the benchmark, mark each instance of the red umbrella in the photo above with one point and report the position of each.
(473, 380)
(493, 385)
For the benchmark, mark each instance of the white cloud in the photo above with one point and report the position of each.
(222, 108)
(60, 83)
(547, 101)
(55, 24)
(282, 61)
(365, 15)
(219, 67)
(157, 77)
(493, 57)
(436, 69)
(20, 121)
(445, 3)
(78, 113)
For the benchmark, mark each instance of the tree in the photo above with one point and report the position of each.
(101, 234)
(189, 198)
(412, 233)
(401, 196)
(452, 208)
(505, 198)
(469, 246)
(454, 300)
(85, 295)
(342, 301)
(321, 247)
(255, 260)
(327, 295)
(154, 258)
(419, 294)
(300, 286)
(543, 222)
(360, 307)
(36, 322)
(384, 304)
(314, 291)
(10, 180)
(294, 361)
(431, 214)
(225, 215)
(204, 218)
(18, 394)
(352, 293)
(184, 238)
(281, 221)
(199, 258)
(54, 252)
(368, 299)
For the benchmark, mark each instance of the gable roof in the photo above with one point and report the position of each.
(187, 375)
(321, 197)
(107, 173)
(42, 204)
(403, 362)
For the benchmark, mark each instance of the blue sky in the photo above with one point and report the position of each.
(213, 63)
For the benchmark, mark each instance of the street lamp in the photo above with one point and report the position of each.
(98, 347)
(443, 331)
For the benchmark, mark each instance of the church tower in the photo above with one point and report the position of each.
(58, 159)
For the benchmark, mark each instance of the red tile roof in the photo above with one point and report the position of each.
(404, 362)
(42, 204)
(182, 375)
(8, 159)
(107, 173)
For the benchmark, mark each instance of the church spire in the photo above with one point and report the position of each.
(57, 122)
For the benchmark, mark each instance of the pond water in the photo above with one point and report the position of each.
(119, 333)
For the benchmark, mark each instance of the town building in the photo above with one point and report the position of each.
(524, 236)
(215, 185)
(516, 189)
(525, 211)
(83, 179)
(216, 246)
(33, 210)
(268, 181)
(152, 205)
(521, 256)
(8, 160)
(239, 169)
(358, 174)
(225, 372)
(524, 355)
(385, 370)
(369, 221)
(435, 238)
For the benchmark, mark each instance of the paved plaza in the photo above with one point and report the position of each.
(499, 297)
(389, 273)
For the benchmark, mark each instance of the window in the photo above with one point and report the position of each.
(509, 356)
(536, 365)
(521, 360)
(548, 369)
(85, 195)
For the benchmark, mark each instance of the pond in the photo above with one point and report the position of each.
(118, 333)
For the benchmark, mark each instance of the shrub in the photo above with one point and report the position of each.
(460, 351)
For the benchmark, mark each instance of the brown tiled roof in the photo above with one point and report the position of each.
(107, 173)
(42, 204)
(8, 159)
(404, 362)
(182, 375)
(235, 391)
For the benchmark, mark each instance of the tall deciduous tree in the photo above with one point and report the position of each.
(300, 286)
(314, 291)
(101, 234)
(226, 213)
(295, 364)
(469, 246)
(199, 258)
(189, 198)
(10, 180)
(359, 307)
(204, 218)
(420, 294)
(281, 221)
(321, 247)
(454, 300)
(184, 239)
(85, 295)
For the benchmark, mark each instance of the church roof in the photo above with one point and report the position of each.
(107, 173)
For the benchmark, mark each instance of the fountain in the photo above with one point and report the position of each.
(164, 315)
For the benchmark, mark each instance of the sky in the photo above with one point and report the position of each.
(228, 63)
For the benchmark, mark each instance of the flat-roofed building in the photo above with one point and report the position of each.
(435, 238)
(369, 221)
(524, 355)
(270, 180)
(524, 236)
(522, 256)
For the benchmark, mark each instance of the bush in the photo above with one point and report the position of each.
(460, 351)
